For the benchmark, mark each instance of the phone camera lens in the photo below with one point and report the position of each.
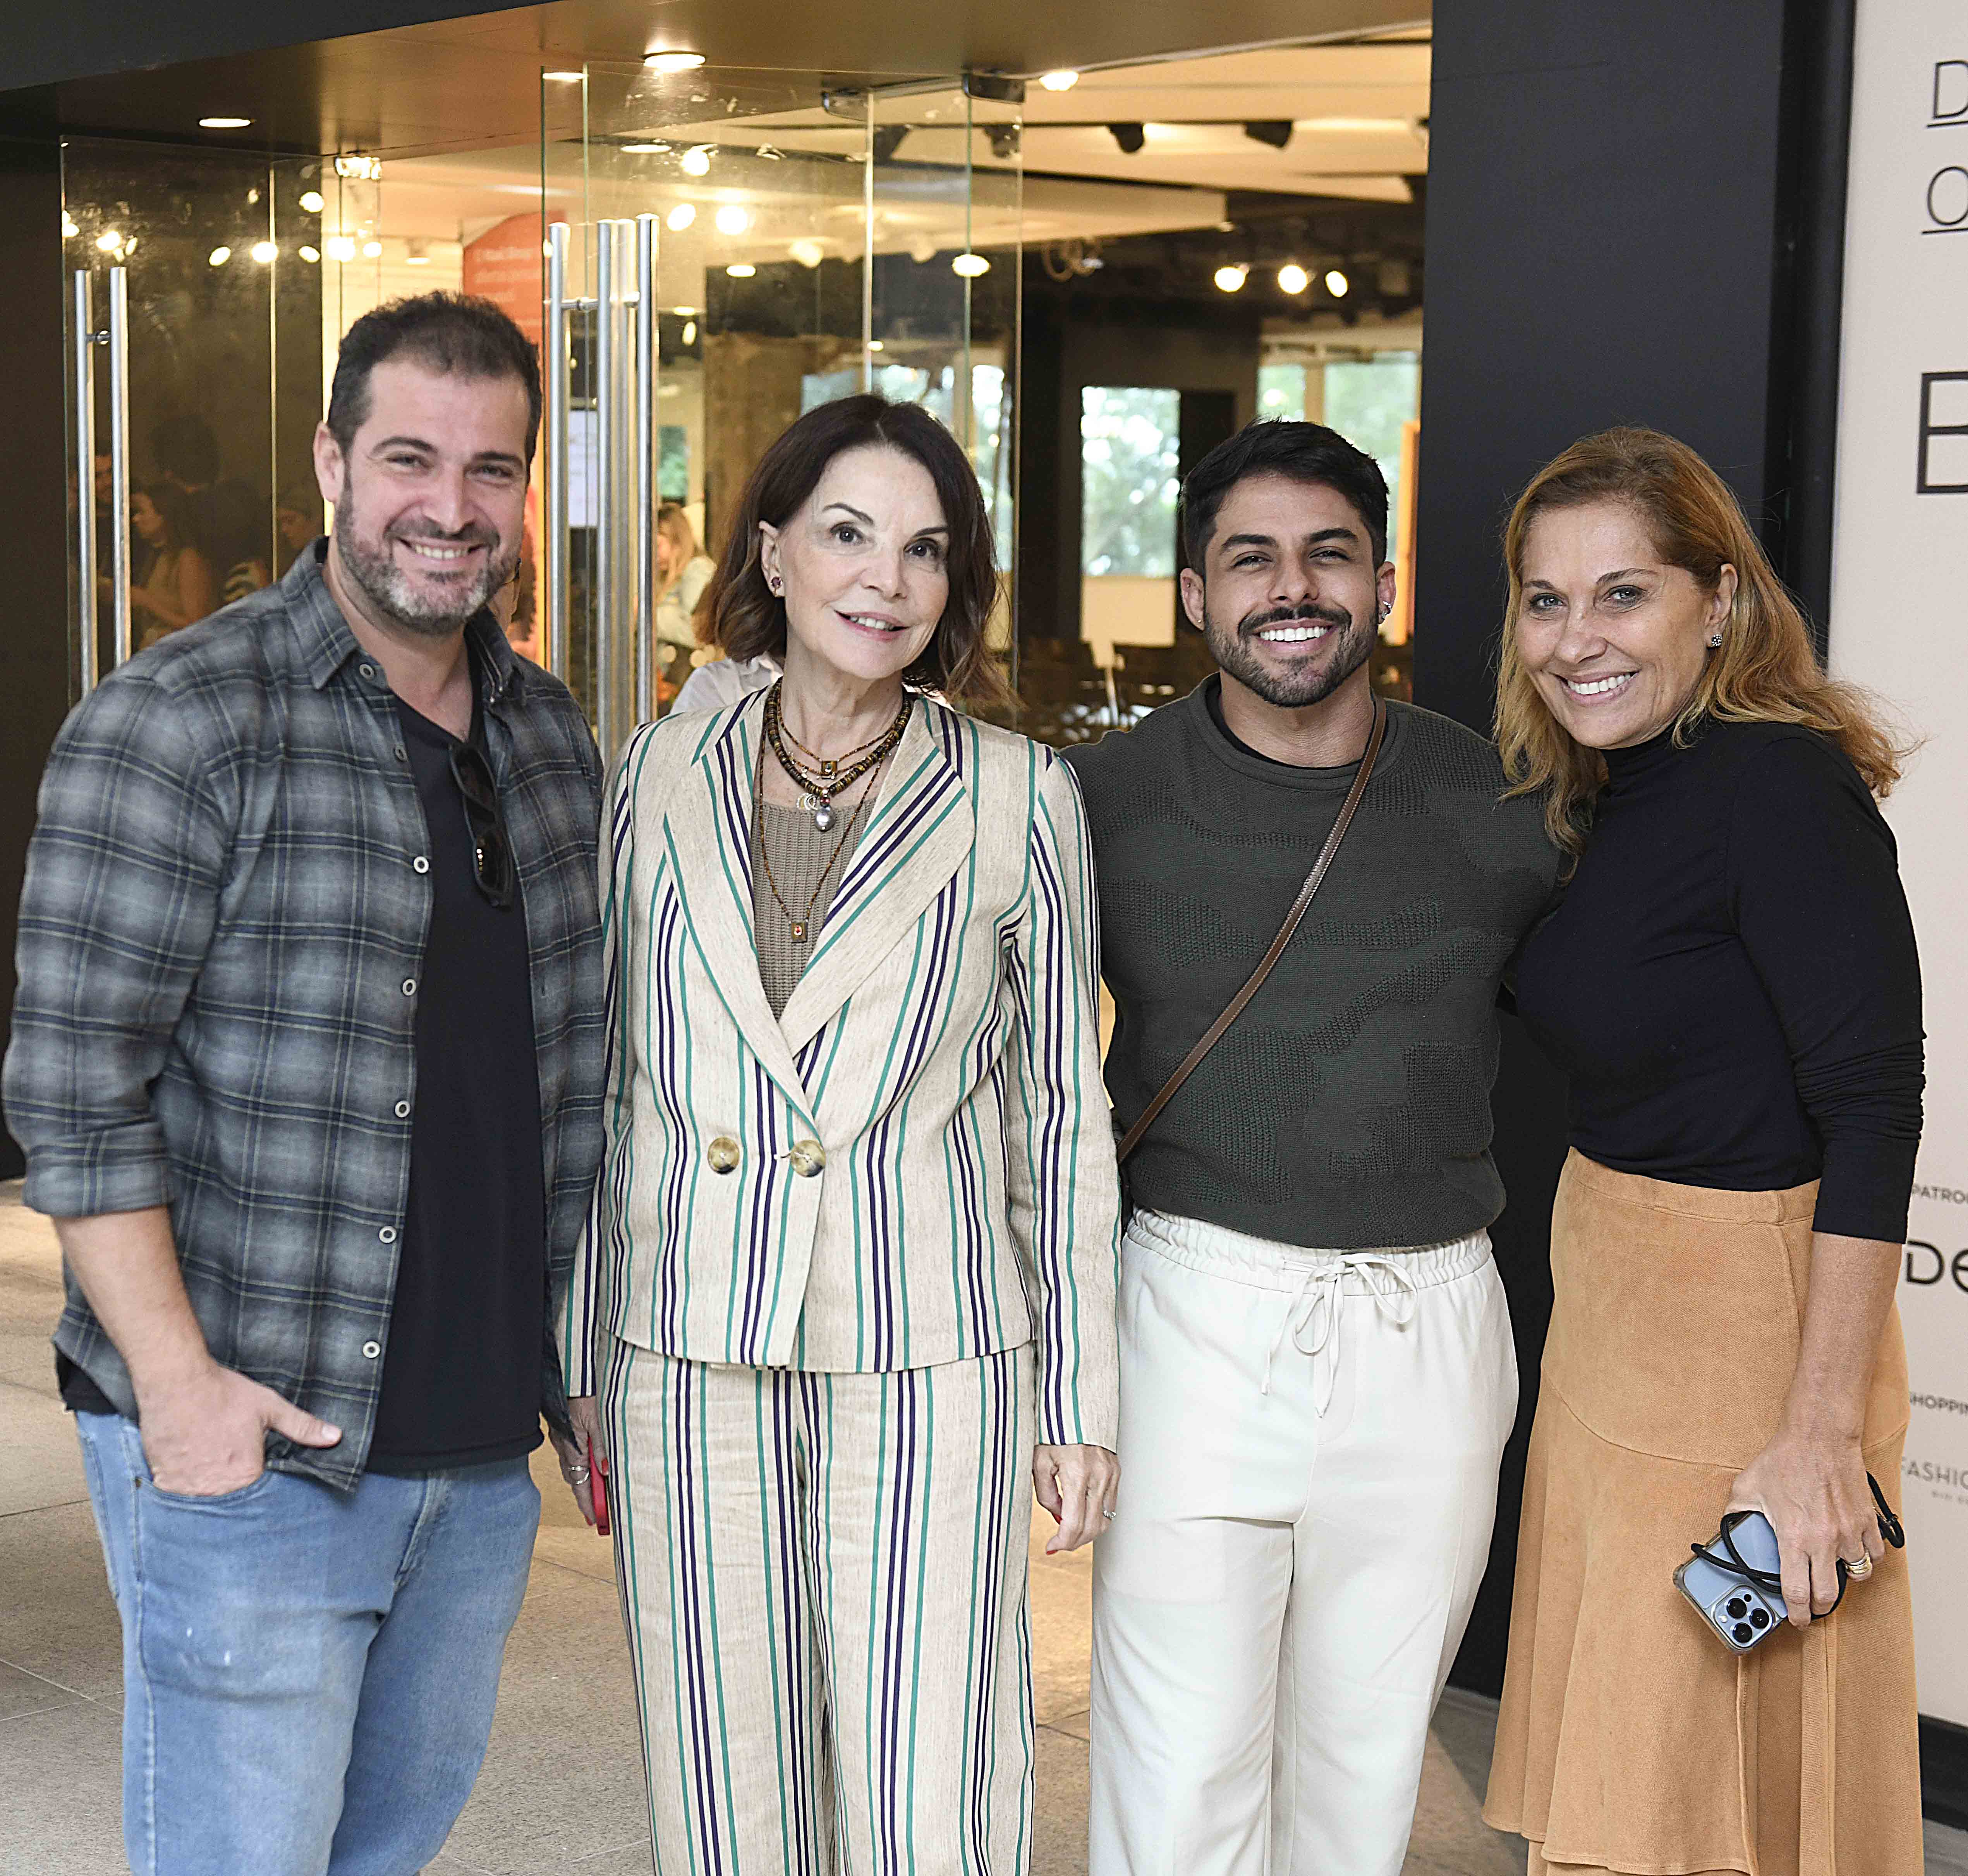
(1738, 1607)
(1742, 1631)
(1759, 1617)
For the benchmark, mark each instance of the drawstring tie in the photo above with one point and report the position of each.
(1315, 1309)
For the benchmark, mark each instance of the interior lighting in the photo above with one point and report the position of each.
(808, 254)
(564, 78)
(1292, 278)
(969, 266)
(674, 61)
(359, 169)
(1058, 81)
(1230, 279)
(741, 270)
(223, 123)
(1337, 283)
(644, 150)
(219, 256)
(372, 250)
(733, 220)
(696, 160)
(313, 201)
(109, 240)
(310, 255)
(341, 247)
(416, 252)
(263, 252)
(875, 344)
(685, 312)
(689, 331)
(69, 230)
(681, 217)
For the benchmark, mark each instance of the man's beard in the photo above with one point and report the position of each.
(1310, 683)
(392, 591)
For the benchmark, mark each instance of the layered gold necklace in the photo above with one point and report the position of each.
(829, 776)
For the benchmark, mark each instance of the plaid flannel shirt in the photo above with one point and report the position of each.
(221, 935)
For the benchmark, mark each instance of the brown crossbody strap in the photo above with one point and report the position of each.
(1254, 982)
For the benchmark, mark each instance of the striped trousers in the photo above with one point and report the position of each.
(823, 1577)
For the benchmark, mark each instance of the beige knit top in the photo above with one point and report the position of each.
(798, 852)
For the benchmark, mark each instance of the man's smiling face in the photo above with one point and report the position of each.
(430, 496)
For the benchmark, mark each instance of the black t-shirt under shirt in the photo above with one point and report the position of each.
(461, 1370)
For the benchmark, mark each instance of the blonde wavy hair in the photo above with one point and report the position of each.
(1766, 669)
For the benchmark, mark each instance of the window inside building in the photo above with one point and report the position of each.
(1128, 437)
(1370, 400)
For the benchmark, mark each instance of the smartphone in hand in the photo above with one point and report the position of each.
(597, 1489)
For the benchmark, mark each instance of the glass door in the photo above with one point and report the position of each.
(803, 238)
(193, 293)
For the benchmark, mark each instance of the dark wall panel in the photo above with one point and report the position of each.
(1605, 196)
(33, 524)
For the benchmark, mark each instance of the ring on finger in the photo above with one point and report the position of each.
(579, 1475)
(1859, 1569)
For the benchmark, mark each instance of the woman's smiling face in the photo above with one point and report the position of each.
(864, 565)
(1613, 638)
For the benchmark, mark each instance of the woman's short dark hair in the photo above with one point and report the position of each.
(1301, 452)
(444, 332)
(749, 620)
(174, 510)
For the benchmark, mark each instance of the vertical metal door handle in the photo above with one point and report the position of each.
(554, 345)
(608, 484)
(644, 481)
(119, 459)
(84, 366)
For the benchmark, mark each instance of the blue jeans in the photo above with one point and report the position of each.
(308, 1676)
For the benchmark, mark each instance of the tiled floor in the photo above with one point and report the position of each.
(561, 1790)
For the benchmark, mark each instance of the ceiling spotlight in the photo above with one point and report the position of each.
(681, 217)
(265, 252)
(969, 266)
(313, 201)
(644, 150)
(564, 78)
(1058, 81)
(372, 250)
(1292, 278)
(357, 168)
(733, 220)
(109, 240)
(223, 123)
(416, 254)
(875, 344)
(741, 270)
(219, 256)
(1275, 131)
(1130, 137)
(1336, 284)
(1230, 279)
(696, 160)
(341, 247)
(808, 254)
(310, 255)
(674, 61)
(689, 331)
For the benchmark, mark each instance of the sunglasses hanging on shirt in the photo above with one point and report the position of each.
(493, 869)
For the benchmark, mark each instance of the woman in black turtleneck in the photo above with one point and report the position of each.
(1730, 981)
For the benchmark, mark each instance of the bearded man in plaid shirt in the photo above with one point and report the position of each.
(307, 1060)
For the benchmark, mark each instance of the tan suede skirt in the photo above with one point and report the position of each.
(1630, 1739)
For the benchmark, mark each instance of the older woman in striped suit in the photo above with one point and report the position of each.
(852, 1270)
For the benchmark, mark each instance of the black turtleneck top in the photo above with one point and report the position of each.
(1730, 981)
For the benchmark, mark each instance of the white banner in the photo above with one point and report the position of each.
(1899, 624)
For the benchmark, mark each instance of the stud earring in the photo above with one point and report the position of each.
(774, 581)
(1715, 642)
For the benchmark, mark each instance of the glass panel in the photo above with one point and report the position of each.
(1128, 438)
(222, 268)
(1371, 402)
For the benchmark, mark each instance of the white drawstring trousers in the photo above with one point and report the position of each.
(1309, 1441)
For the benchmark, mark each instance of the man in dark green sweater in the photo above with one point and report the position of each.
(1317, 1373)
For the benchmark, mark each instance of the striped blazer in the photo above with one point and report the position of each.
(914, 1164)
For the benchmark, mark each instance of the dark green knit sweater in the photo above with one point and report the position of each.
(1349, 1105)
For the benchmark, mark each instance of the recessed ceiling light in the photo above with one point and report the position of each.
(265, 252)
(644, 150)
(970, 266)
(875, 344)
(689, 331)
(1383, 124)
(312, 201)
(733, 220)
(219, 256)
(674, 61)
(741, 270)
(223, 123)
(69, 229)
(696, 160)
(564, 78)
(341, 247)
(109, 240)
(1337, 283)
(310, 255)
(372, 250)
(808, 254)
(1292, 278)
(1058, 81)
(681, 217)
(685, 312)
(1230, 279)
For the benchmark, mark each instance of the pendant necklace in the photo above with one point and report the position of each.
(835, 775)
(801, 926)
